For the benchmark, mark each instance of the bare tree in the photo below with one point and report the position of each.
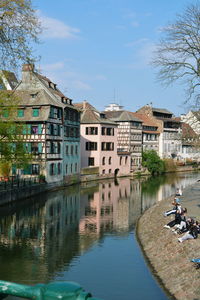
(178, 54)
(19, 29)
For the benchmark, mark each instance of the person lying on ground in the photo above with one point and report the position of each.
(179, 216)
(191, 234)
(176, 206)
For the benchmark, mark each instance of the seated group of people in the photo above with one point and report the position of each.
(181, 224)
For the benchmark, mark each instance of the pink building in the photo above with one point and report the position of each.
(99, 143)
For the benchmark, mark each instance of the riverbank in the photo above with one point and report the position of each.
(169, 259)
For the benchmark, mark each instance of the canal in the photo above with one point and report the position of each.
(85, 233)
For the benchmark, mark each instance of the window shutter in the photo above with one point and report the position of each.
(39, 147)
(39, 128)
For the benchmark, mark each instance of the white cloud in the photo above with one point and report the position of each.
(56, 29)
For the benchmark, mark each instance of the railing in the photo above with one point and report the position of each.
(55, 290)
(10, 182)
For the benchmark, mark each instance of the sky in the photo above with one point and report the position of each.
(100, 50)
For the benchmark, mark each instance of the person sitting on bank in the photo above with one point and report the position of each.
(176, 206)
(178, 192)
(184, 224)
(179, 215)
(191, 234)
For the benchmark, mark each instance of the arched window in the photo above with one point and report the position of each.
(126, 159)
(103, 160)
(109, 161)
(120, 161)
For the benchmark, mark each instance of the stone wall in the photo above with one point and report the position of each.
(169, 259)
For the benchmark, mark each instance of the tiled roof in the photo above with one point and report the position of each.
(145, 119)
(161, 110)
(90, 115)
(39, 97)
(187, 131)
(122, 116)
(85, 105)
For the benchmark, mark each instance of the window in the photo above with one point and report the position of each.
(90, 161)
(34, 148)
(76, 167)
(120, 161)
(35, 112)
(107, 146)
(67, 150)
(72, 150)
(110, 171)
(71, 168)
(34, 129)
(91, 146)
(103, 130)
(103, 160)
(5, 113)
(52, 169)
(104, 171)
(20, 113)
(91, 130)
(76, 150)
(110, 160)
(126, 158)
(59, 168)
(66, 169)
(35, 169)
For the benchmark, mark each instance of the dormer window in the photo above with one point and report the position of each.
(33, 95)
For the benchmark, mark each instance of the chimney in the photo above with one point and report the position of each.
(28, 67)
(27, 70)
(84, 104)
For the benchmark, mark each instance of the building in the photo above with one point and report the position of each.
(170, 131)
(99, 144)
(190, 144)
(51, 128)
(150, 133)
(129, 138)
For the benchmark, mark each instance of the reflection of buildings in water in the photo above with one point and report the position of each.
(40, 224)
(112, 207)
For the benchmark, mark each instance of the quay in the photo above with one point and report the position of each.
(169, 259)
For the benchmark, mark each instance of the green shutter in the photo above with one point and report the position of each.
(39, 128)
(27, 170)
(24, 129)
(39, 147)
(29, 128)
(20, 113)
(35, 112)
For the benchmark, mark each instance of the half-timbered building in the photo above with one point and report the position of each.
(51, 128)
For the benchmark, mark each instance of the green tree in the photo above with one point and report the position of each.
(12, 146)
(178, 53)
(152, 162)
(19, 29)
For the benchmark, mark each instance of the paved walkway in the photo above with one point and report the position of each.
(169, 258)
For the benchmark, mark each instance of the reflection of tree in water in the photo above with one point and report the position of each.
(152, 184)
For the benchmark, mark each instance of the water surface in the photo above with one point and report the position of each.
(85, 233)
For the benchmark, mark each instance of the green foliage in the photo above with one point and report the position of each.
(152, 162)
(12, 147)
(19, 28)
(170, 165)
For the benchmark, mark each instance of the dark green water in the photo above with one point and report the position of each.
(85, 234)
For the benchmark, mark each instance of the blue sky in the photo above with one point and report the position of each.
(99, 50)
